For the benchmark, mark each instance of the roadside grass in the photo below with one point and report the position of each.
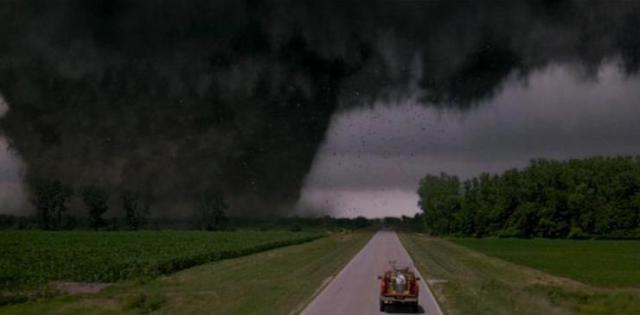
(598, 262)
(279, 281)
(480, 284)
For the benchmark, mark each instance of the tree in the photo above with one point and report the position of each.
(50, 197)
(135, 209)
(523, 222)
(211, 208)
(95, 198)
(440, 201)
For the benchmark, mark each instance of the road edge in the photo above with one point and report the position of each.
(422, 279)
(325, 283)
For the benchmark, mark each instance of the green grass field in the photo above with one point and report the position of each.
(597, 262)
(471, 282)
(31, 259)
(279, 281)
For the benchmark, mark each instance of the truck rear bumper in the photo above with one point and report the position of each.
(399, 300)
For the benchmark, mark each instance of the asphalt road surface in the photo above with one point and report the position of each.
(355, 290)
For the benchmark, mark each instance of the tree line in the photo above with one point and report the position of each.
(53, 201)
(52, 198)
(580, 198)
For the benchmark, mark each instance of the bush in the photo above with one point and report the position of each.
(95, 198)
(50, 197)
(576, 233)
(212, 209)
(135, 209)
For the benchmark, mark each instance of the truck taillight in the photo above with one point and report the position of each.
(415, 287)
(383, 286)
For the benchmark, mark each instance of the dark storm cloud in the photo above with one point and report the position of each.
(553, 111)
(177, 97)
(373, 158)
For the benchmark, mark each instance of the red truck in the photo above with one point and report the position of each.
(399, 285)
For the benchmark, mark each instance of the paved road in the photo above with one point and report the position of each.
(355, 290)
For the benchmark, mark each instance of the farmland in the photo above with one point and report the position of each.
(598, 262)
(30, 259)
(279, 281)
(470, 282)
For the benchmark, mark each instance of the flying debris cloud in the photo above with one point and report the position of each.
(175, 98)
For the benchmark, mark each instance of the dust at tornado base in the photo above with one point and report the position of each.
(355, 290)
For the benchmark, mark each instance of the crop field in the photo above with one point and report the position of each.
(30, 259)
(472, 282)
(598, 262)
(279, 281)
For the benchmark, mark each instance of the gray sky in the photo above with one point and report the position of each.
(373, 158)
(11, 188)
